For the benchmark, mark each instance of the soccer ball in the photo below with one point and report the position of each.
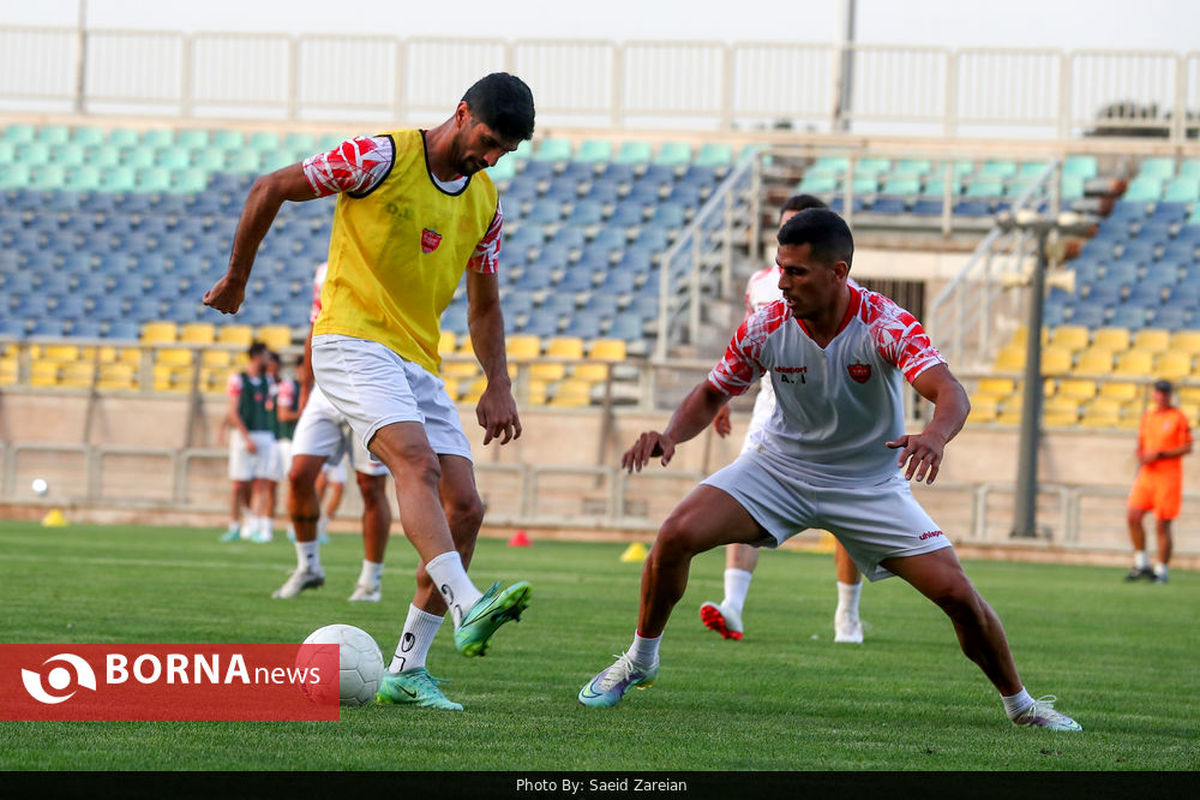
(360, 662)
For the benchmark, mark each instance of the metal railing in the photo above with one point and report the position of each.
(683, 85)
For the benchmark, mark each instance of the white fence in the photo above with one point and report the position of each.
(698, 85)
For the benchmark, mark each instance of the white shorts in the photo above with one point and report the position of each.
(283, 459)
(373, 387)
(873, 522)
(322, 431)
(335, 472)
(246, 466)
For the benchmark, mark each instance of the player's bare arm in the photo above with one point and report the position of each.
(693, 415)
(266, 196)
(1176, 452)
(923, 451)
(305, 373)
(234, 420)
(497, 410)
(723, 422)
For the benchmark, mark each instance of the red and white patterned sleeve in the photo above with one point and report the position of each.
(486, 258)
(355, 166)
(318, 285)
(233, 387)
(286, 395)
(900, 337)
(742, 365)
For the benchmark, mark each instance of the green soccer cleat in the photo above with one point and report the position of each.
(495, 608)
(232, 534)
(414, 687)
(609, 687)
(1041, 714)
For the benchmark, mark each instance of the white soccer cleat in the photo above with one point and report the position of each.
(367, 594)
(1042, 714)
(300, 579)
(847, 631)
(723, 620)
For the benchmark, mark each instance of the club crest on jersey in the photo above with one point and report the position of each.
(859, 372)
(430, 240)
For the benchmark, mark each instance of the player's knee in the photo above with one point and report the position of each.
(464, 513)
(418, 465)
(674, 538)
(958, 599)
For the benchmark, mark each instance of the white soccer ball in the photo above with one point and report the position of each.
(40, 487)
(360, 662)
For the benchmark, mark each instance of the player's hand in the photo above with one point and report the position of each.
(1150, 458)
(497, 414)
(226, 295)
(923, 452)
(251, 447)
(649, 445)
(722, 422)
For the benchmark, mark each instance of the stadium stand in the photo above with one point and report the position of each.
(115, 234)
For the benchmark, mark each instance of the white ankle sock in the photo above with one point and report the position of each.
(372, 573)
(848, 594)
(308, 555)
(1017, 703)
(644, 652)
(1140, 561)
(411, 651)
(451, 580)
(737, 586)
(1161, 570)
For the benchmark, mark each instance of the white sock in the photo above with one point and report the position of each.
(737, 586)
(308, 555)
(848, 594)
(264, 525)
(1140, 561)
(234, 525)
(644, 652)
(1017, 703)
(451, 580)
(413, 647)
(1161, 570)
(372, 574)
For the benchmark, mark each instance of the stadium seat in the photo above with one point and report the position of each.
(1072, 337)
(1056, 360)
(1139, 363)
(1077, 389)
(198, 333)
(1060, 411)
(1114, 339)
(446, 343)
(240, 335)
(594, 151)
(1095, 360)
(1173, 365)
(523, 348)
(1011, 359)
(1120, 390)
(1101, 412)
(1158, 168)
(159, 333)
(984, 408)
(276, 337)
(571, 393)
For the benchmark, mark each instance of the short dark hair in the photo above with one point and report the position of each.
(274, 357)
(801, 202)
(256, 349)
(825, 231)
(504, 103)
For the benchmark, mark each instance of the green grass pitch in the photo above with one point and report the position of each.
(1121, 658)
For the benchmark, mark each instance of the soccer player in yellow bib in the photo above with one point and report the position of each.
(415, 210)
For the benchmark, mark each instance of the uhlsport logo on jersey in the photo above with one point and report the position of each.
(169, 682)
(430, 239)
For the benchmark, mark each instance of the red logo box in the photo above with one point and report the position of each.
(168, 682)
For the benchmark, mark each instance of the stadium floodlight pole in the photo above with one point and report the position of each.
(81, 59)
(845, 76)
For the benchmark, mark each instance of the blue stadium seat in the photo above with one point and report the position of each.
(1172, 318)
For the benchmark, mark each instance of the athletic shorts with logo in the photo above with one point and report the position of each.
(875, 520)
(262, 464)
(322, 431)
(372, 387)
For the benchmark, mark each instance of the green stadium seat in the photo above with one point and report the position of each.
(1190, 168)
(998, 169)
(303, 142)
(524, 151)
(937, 188)
(71, 154)
(189, 181)
(51, 176)
(272, 160)
(84, 179)
(244, 161)
(1160, 167)
(1017, 187)
(328, 141)
(818, 184)
(673, 154)
(8, 152)
(505, 170)
(1143, 190)
(122, 137)
(961, 168)
(829, 165)
(138, 157)
(104, 155)
(209, 159)
(173, 158)
(1080, 166)
(1182, 190)
(872, 166)
(158, 137)
(87, 136)
(1072, 187)
(1031, 169)
(54, 135)
(863, 185)
(714, 155)
(19, 134)
(118, 179)
(911, 167)
(153, 179)
(594, 151)
(229, 140)
(14, 176)
(901, 186)
(555, 150)
(634, 153)
(264, 141)
(192, 138)
(34, 153)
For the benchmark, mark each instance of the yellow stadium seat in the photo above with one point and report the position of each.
(214, 379)
(460, 368)
(537, 393)
(451, 388)
(44, 373)
(572, 393)
(1131, 414)
(984, 408)
(608, 350)
(466, 347)
(1060, 411)
(198, 333)
(1135, 362)
(1189, 394)
(1094, 361)
(116, 375)
(474, 391)
(1101, 412)
(275, 337)
(997, 386)
(8, 371)
(172, 378)
(1011, 359)
(78, 375)
(523, 347)
(1056, 360)
(1120, 390)
(174, 356)
(565, 347)
(591, 371)
(1112, 338)
(1072, 337)
(241, 335)
(446, 343)
(1156, 340)
(1173, 365)
(58, 352)
(1077, 389)
(159, 333)
(1186, 341)
(216, 358)
(1191, 411)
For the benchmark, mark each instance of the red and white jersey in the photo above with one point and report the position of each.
(835, 406)
(318, 285)
(358, 165)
